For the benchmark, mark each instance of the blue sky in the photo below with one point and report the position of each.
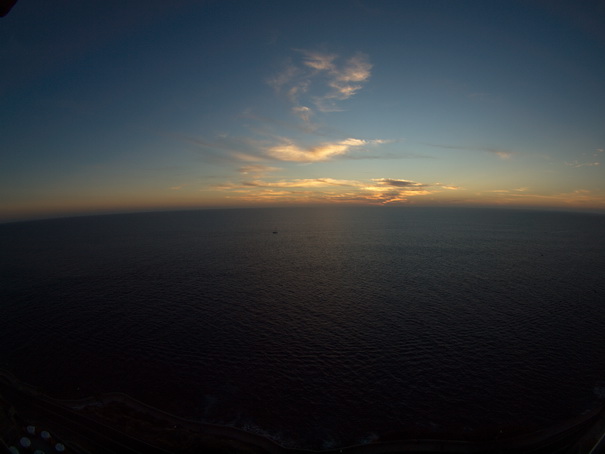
(119, 106)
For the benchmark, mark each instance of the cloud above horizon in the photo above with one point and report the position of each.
(344, 80)
(582, 164)
(500, 152)
(375, 191)
(321, 80)
(257, 169)
(287, 150)
(399, 183)
(317, 79)
(284, 149)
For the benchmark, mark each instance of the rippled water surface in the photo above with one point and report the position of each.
(347, 325)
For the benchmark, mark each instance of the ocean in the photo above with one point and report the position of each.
(316, 327)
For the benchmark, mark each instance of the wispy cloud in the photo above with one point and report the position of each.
(399, 183)
(275, 148)
(257, 169)
(448, 187)
(344, 80)
(305, 114)
(321, 79)
(506, 191)
(301, 113)
(582, 164)
(309, 183)
(302, 183)
(288, 150)
(311, 78)
(319, 61)
(227, 149)
(374, 191)
(500, 152)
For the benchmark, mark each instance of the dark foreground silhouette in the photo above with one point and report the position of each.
(115, 422)
(6, 6)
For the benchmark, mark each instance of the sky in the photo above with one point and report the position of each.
(111, 106)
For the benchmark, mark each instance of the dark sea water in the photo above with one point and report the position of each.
(348, 325)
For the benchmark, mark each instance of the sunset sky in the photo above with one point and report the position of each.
(110, 106)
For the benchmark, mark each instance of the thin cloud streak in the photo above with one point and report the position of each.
(231, 149)
(448, 187)
(582, 164)
(302, 183)
(376, 191)
(296, 183)
(257, 169)
(501, 153)
(290, 151)
(275, 148)
(399, 183)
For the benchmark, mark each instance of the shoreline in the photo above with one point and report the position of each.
(136, 422)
